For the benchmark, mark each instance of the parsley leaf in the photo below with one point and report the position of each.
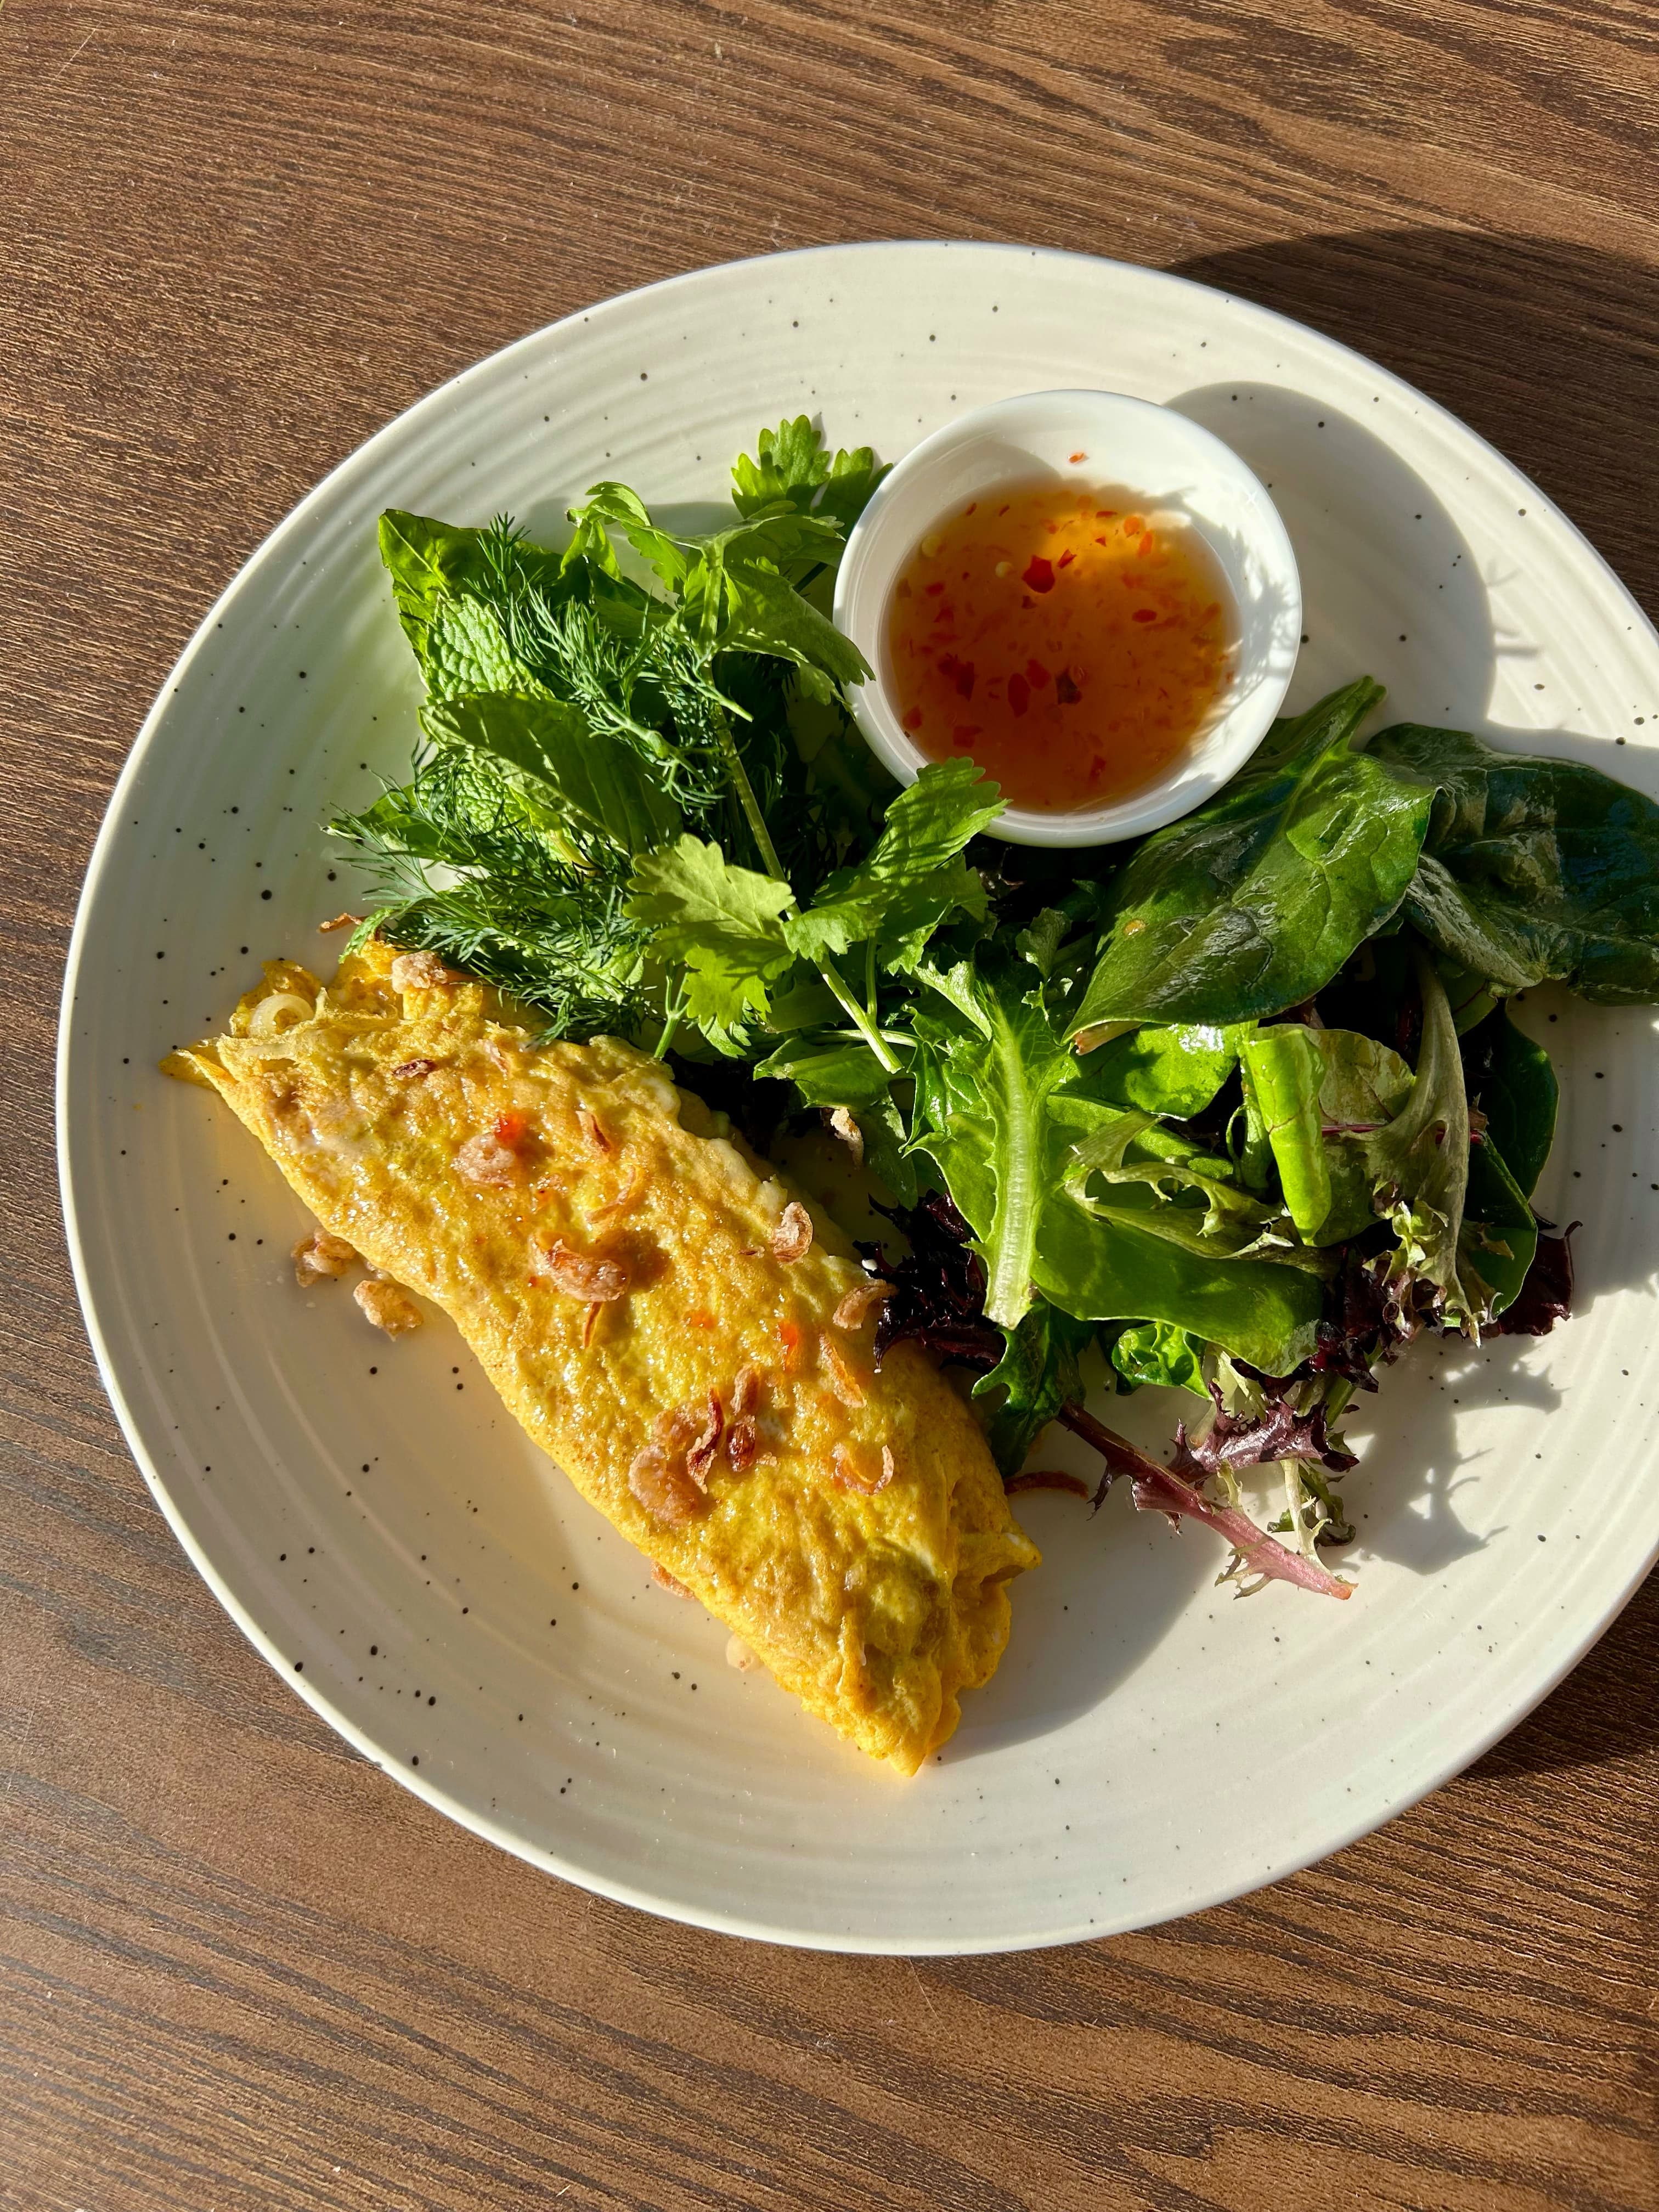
(794, 467)
(912, 878)
(723, 923)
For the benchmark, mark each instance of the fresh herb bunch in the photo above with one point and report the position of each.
(1238, 1109)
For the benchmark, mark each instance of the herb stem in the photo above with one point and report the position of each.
(768, 852)
(672, 1009)
(870, 978)
(855, 1013)
(746, 798)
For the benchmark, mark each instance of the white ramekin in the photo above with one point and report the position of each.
(1175, 470)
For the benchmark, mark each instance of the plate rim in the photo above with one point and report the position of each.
(1538, 1686)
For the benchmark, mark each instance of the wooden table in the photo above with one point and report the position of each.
(238, 1969)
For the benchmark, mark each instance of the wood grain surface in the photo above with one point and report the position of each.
(237, 1968)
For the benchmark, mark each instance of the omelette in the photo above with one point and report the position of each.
(690, 1339)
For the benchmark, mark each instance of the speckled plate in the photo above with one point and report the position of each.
(376, 1523)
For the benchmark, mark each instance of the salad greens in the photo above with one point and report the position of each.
(1236, 1110)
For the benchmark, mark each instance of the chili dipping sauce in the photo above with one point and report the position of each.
(1072, 644)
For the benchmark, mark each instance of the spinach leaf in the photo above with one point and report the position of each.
(1036, 1377)
(1154, 1352)
(1498, 1238)
(1252, 903)
(1533, 868)
(1510, 1079)
(1259, 1311)
(1176, 1071)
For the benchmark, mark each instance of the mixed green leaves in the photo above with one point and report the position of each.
(1236, 1111)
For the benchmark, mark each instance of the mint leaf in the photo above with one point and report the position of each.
(723, 924)
(912, 878)
(764, 613)
(584, 781)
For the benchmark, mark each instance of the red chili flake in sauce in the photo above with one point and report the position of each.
(1076, 458)
(510, 1129)
(1141, 635)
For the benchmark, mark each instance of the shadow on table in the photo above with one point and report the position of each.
(1551, 351)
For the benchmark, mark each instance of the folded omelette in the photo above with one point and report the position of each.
(688, 1337)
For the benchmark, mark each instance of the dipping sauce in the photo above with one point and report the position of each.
(1069, 642)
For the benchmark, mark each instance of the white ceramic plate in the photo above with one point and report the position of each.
(378, 1525)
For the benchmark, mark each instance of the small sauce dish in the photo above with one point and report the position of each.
(1172, 479)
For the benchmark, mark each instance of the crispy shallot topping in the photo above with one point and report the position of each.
(856, 1307)
(849, 1476)
(664, 1488)
(406, 1071)
(1048, 1478)
(674, 1428)
(585, 1275)
(592, 1129)
(738, 1654)
(489, 1162)
(745, 1392)
(320, 1258)
(840, 1123)
(503, 1053)
(671, 1583)
(842, 1381)
(338, 921)
(623, 1198)
(699, 1456)
(591, 1321)
(792, 1238)
(420, 971)
(388, 1305)
(742, 1444)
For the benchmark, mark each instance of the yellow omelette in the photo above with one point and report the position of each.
(688, 1337)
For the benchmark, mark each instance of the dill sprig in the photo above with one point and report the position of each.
(457, 867)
